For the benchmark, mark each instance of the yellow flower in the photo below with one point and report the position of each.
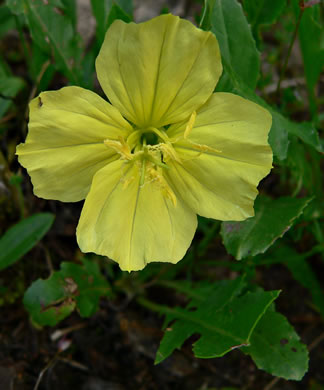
(166, 149)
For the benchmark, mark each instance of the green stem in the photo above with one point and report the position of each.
(204, 14)
(154, 306)
(179, 287)
(302, 8)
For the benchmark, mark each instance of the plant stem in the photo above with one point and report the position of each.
(302, 9)
(204, 14)
(154, 306)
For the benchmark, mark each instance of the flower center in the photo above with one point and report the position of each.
(149, 149)
(152, 150)
(149, 138)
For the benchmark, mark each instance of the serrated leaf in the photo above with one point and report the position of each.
(240, 60)
(276, 348)
(75, 286)
(224, 319)
(20, 238)
(237, 46)
(255, 235)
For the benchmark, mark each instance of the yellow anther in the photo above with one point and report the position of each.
(156, 175)
(204, 148)
(126, 182)
(120, 147)
(195, 145)
(153, 154)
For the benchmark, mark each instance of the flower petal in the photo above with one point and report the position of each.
(160, 71)
(64, 147)
(133, 224)
(222, 185)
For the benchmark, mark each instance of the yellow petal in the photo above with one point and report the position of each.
(65, 144)
(133, 224)
(158, 72)
(221, 184)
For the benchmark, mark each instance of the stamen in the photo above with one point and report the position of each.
(120, 147)
(189, 127)
(150, 157)
(169, 153)
(156, 176)
(204, 148)
(190, 124)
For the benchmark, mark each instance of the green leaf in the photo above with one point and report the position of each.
(20, 238)
(278, 137)
(91, 285)
(255, 235)
(7, 20)
(306, 132)
(70, 7)
(238, 67)
(311, 39)
(45, 300)
(117, 13)
(16, 6)
(263, 11)
(223, 317)
(302, 272)
(36, 67)
(301, 167)
(125, 5)
(75, 286)
(52, 30)
(237, 46)
(275, 347)
(9, 87)
(240, 61)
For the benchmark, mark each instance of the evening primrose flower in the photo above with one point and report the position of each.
(165, 148)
